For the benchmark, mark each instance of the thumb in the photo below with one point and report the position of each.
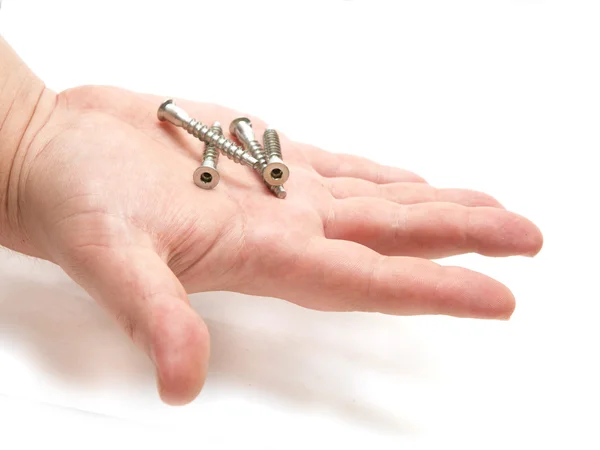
(147, 299)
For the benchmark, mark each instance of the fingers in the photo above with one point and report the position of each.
(408, 193)
(431, 230)
(345, 276)
(332, 165)
(151, 305)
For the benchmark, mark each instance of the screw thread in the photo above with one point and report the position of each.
(272, 144)
(227, 147)
(211, 153)
(257, 151)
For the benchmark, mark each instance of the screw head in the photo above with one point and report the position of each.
(234, 124)
(206, 177)
(172, 113)
(162, 109)
(276, 173)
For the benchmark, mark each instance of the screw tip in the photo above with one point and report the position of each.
(279, 191)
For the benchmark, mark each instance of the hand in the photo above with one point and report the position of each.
(107, 193)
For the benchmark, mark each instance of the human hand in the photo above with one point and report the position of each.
(105, 191)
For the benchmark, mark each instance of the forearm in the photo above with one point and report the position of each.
(20, 95)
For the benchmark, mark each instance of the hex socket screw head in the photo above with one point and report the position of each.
(277, 171)
(273, 171)
(207, 176)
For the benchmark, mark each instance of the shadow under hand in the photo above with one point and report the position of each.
(339, 362)
(265, 349)
(68, 335)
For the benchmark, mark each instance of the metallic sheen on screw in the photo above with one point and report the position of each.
(278, 170)
(242, 129)
(172, 113)
(207, 176)
(274, 172)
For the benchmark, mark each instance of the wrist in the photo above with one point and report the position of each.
(21, 96)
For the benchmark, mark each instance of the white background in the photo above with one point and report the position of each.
(499, 96)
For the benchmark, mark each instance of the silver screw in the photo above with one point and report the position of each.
(172, 113)
(242, 129)
(279, 191)
(207, 176)
(278, 171)
(272, 171)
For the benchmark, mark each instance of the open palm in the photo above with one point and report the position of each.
(107, 193)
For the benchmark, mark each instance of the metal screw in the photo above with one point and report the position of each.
(242, 129)
(207, 176)
(279, 191)
(273, 172)
(279, 171)
(172, 113)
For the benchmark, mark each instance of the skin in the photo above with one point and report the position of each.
(97, 185)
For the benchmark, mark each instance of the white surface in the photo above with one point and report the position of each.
(27, 425)
(497, 96)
